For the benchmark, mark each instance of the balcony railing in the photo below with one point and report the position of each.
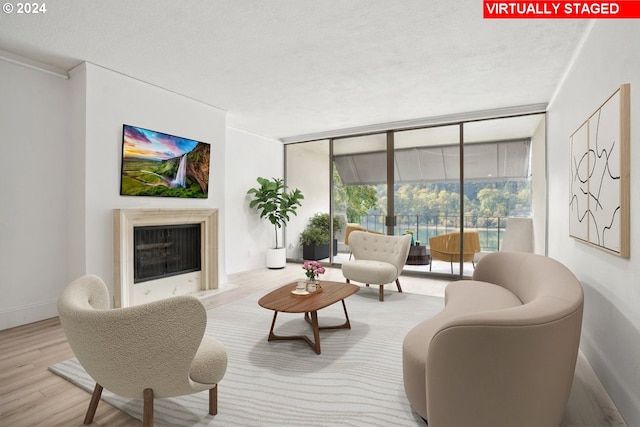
(491, 229)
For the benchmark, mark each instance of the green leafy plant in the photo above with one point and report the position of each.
(317, 231)
(356, 200)
(273, 202)
(312, 236)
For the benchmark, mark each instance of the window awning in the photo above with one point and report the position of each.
(487, 160)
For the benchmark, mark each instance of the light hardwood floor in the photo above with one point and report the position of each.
(30, 395)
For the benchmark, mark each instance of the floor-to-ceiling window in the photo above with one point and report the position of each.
(360, 180)
(427, 193)
(498, 174)
(455, 183)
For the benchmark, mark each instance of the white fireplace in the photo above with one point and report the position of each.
(128, 293)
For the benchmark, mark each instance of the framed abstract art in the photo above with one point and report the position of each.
(599, 205)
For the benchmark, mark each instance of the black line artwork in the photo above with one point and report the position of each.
(604, 182)
(595, 205)
(580, 173)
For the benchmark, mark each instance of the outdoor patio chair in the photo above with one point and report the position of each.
(446, 247)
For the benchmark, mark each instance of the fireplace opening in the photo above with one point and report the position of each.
(165, 250)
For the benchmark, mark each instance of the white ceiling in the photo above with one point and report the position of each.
(282, 68)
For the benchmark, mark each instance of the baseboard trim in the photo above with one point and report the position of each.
(625, 400)
(18, 316)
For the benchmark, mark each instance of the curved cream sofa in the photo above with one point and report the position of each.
(503, 350)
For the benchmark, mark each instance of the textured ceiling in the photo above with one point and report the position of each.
(289, 67)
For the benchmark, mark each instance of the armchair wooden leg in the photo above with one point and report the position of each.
(213, 400)
(398, 285)
(93, 404)
(147, 411)
(381, 297)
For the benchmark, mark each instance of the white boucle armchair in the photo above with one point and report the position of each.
(379, 259)
(145, 351)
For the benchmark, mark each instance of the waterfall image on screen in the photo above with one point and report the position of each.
(163, 165)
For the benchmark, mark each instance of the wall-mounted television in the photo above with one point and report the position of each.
(162, 165)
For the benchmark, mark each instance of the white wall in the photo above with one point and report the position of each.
(34, 131)
(112, 100)
(61, 144)
(611, 325)
(539, 188)
(76, 218)
(61, 141)
(248, 156)
(308, 168)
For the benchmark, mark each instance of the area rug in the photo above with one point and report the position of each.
(356, 381)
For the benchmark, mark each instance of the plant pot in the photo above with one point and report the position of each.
(276, 258)
(317, 252)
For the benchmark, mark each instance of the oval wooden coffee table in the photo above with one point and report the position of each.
(281, 300)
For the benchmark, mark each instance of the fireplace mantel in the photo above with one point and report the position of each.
(124, 220)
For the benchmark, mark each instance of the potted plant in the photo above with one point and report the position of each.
(273, 202)
(315, 238)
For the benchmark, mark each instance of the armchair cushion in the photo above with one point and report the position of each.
(380, 247)
(210, 363)
(368, 271)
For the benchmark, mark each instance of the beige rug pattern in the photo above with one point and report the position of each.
(356, 381)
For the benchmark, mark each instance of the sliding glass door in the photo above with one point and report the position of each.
(499, 170)
(427, 194)
(359, 187)
(451, 186)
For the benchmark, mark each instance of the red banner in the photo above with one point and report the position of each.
(560, 9)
